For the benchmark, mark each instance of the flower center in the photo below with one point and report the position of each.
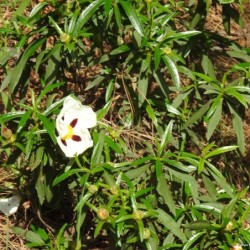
(69, 134)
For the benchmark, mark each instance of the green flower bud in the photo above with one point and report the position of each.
(167, 50)
(146, 233)
(114, 189)
(6, 133)
(102, 213)
(64, 37)
(138, 214)
(230, 226)
(236, 247)
(93, 189)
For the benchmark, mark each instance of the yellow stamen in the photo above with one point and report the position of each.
(69, 134)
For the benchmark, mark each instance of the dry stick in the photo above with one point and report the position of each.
(52, 230)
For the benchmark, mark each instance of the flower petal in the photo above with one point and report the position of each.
(76, 147)
(73, 109)
(87, 117)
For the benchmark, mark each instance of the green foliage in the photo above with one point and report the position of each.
(152, 179)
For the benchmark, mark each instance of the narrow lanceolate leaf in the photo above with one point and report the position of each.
(142, 89)
(16, 73)
(198, 114)
(37, 10)
(164, 192)
(199, 225)
(214, 120)
(129, 10)
(207, 66)
(22, 6)
(10, 116)
(172, 70)
(191, 241)
(166, 136)
(239, 131)
(167, 221)
(23, 120)
(220, 150)
(48, 125)
(47, 89)
(86, 15)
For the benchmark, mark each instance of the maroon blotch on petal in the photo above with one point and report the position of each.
(73, 123)
(76, 138)
(64, 142)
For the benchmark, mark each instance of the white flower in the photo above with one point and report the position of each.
(72, 126)
(10, 205)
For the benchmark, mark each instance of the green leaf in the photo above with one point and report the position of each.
(82, 201)
(166, 136)
(98, 227)
(36, 11)
(214, 120)
(60, 238)
(220, 150)
(219, 178)
(96, 156)
(107, 6)
(34, 238)
(130, 12)
(10, 116)
(210, 187)
(48, 125)
(228, 210)
(21, 7)
(23, 120)
(167, 221)
(38, 157)
(151, 113)
(141, 229)
(66, 175)
(53, 66)
(142, 89)
(47, 89)
(184, 34)
(16, 73)
(113, 145)
(41, 186)
(210, 207)
(162, 83)
(136, 174)
(198, 114)
(232, 92)
(86, 14)
(157, 57)
(192, 240)
(6, 55)
(96, 82)
(172, 70)
(118, 18)
(109, 91)
(121, 49)
(207, 66)
(238, 126)
(72, 23)
(164, 192)
(102, 112)
(53, 107)
(198, 225)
